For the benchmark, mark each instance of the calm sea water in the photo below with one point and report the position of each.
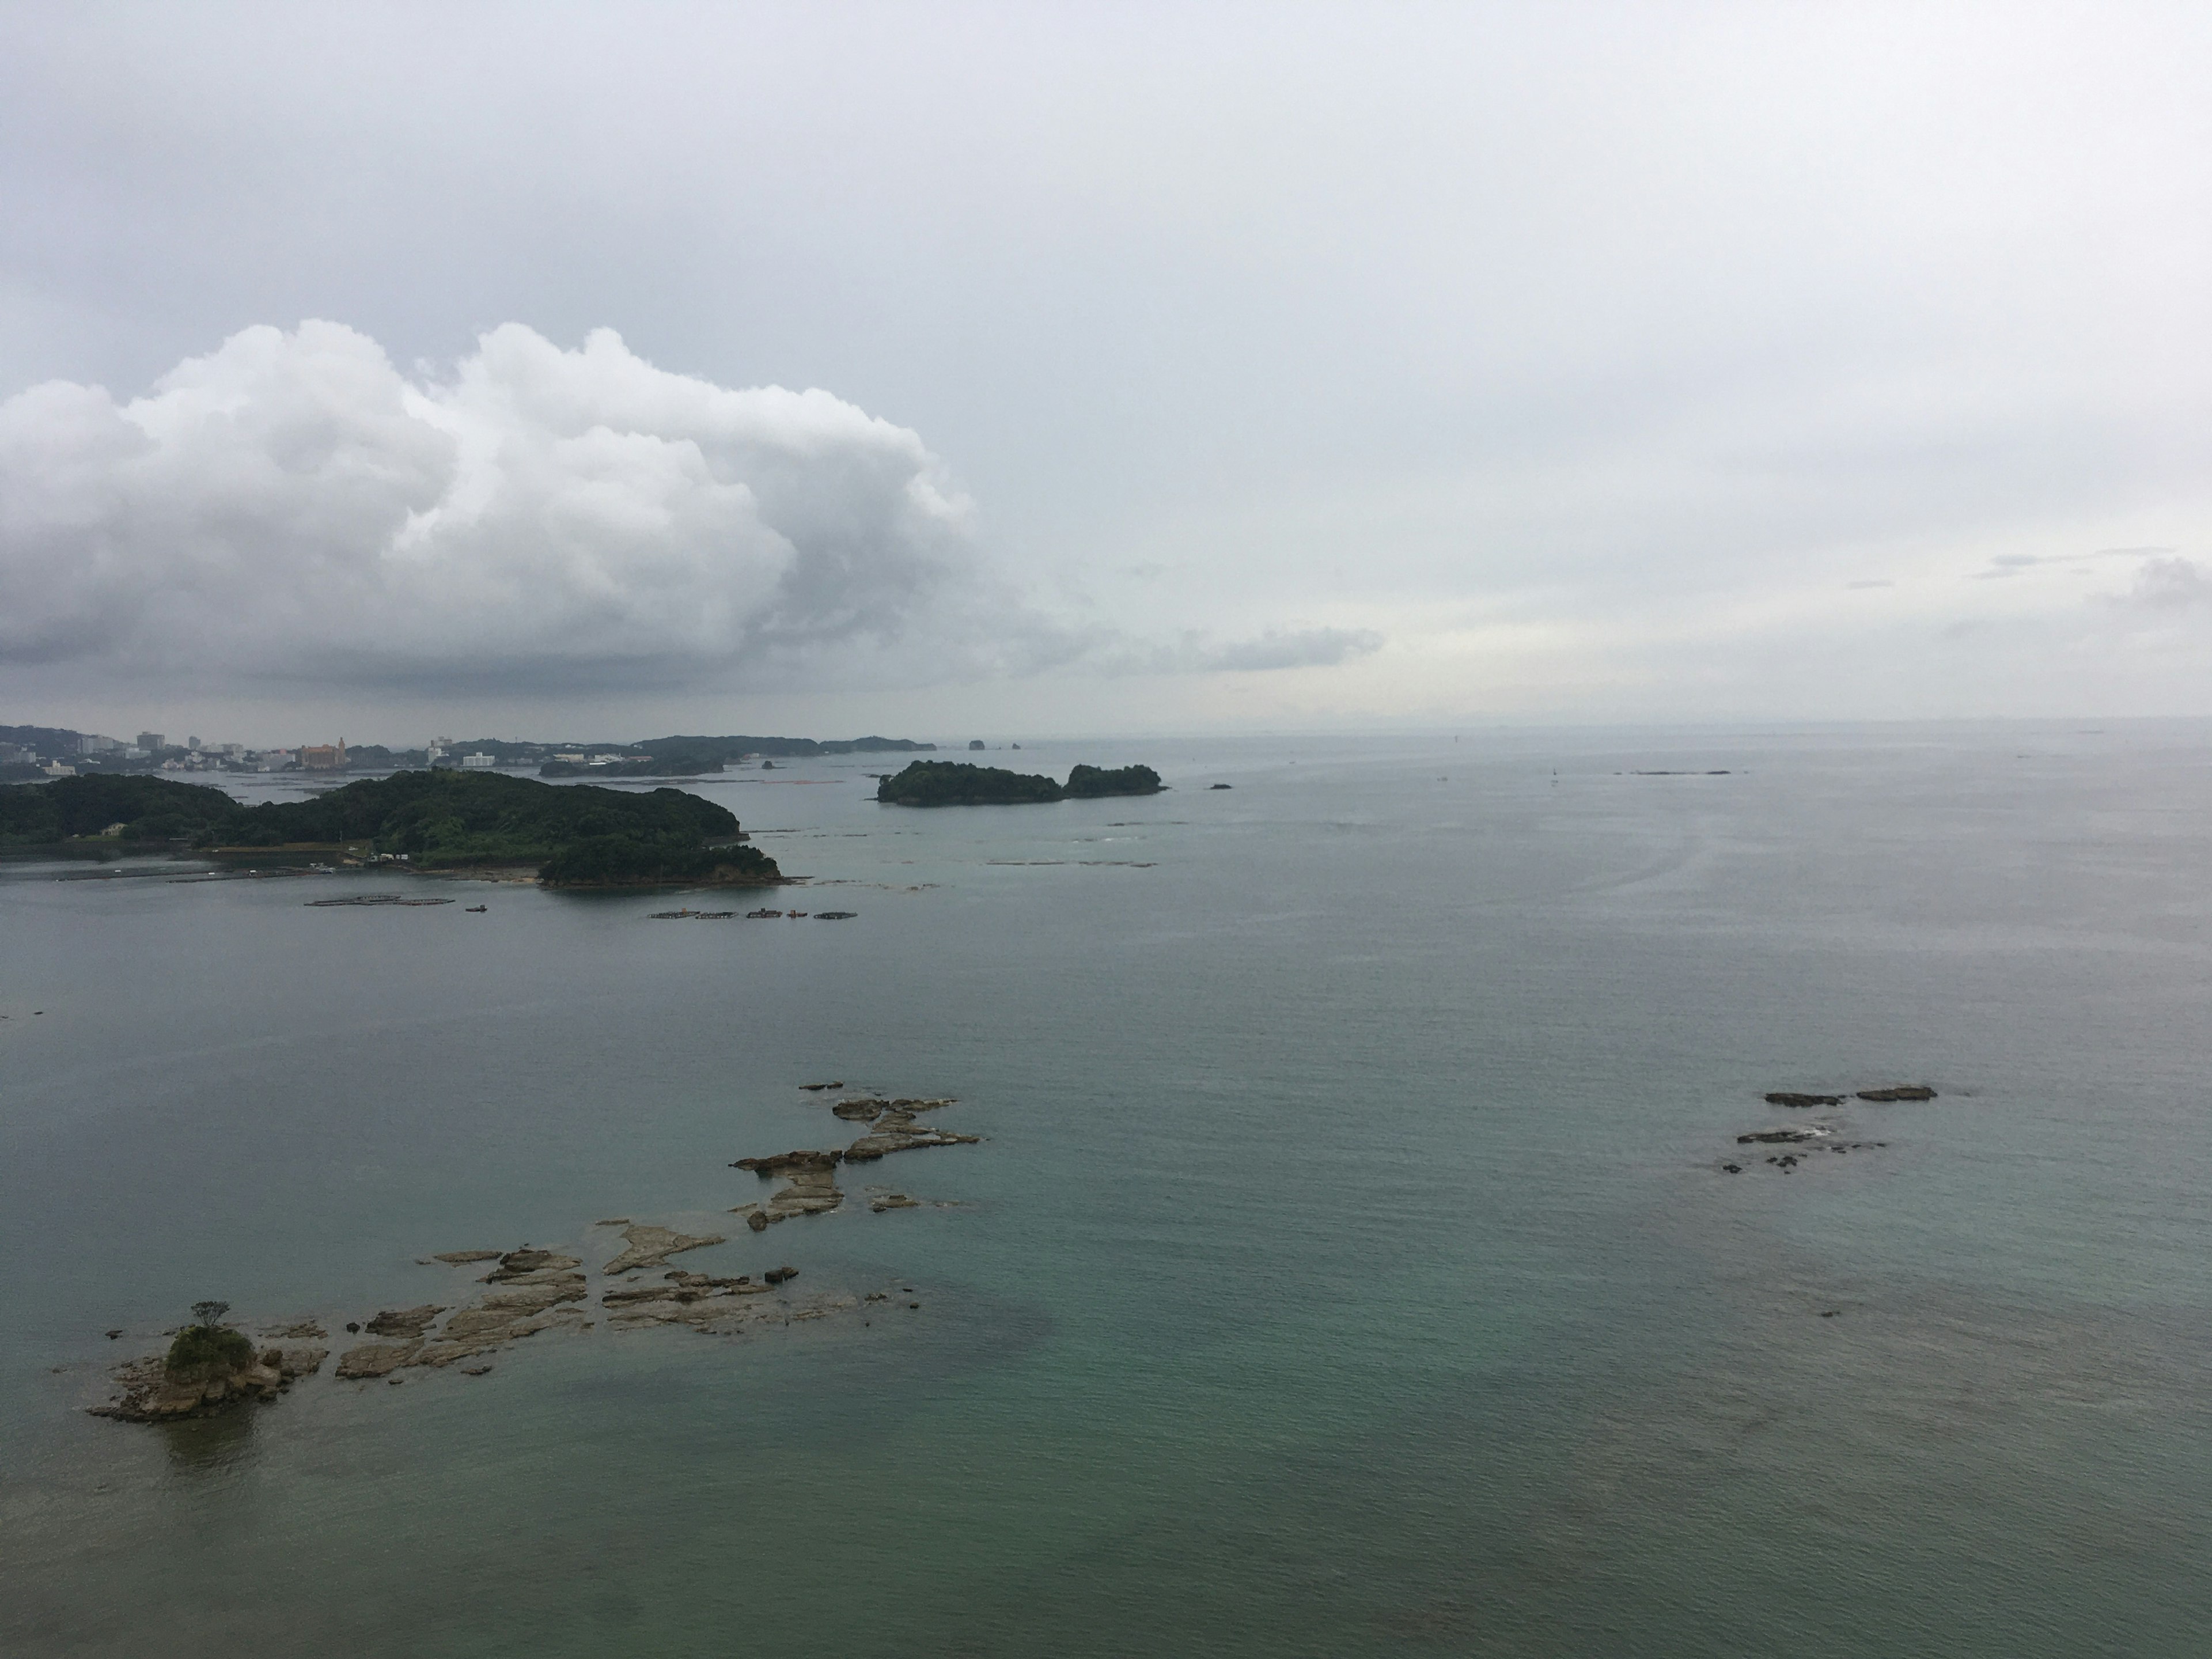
(1349, 1268)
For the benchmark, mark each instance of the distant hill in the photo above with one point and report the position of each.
(706, 753)
(577, 835)
(957, 783)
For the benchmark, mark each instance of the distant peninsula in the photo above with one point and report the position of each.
(690, 756)
(576, 836)
(957, 783)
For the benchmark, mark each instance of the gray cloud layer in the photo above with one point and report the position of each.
(291, 505)
(292, 508)
(1609, 360)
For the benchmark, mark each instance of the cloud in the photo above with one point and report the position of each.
(2166, 585)
(1306, 648)
(292, 507)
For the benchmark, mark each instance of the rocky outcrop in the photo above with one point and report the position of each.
(374, 1359)
(1785, 1099)
(682, 1299)
(893, 1201)
(526, 1263)
(462, 1258)
(787, 1162)
(1902, 1092)
(895, 1132)
(650, 1247)
(813, 1190)
(151, 1390)
(403, 1321)
(150, 1393)
(868, 1108)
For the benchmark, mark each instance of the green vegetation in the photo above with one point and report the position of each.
(579, 834)
(1084, 782)
(443, 820)
(201, 1351)
(148, 809)
(622, 861)
(956, 783)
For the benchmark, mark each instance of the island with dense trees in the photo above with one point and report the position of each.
(576, 836)
(957, 783)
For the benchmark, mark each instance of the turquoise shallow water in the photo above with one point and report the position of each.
(1349, 1268)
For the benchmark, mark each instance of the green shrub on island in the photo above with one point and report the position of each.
(450, 817)
(201, 1351)
(1085, 782)
(148, 809)
(959, 783)
(624, 861)
(439, 820)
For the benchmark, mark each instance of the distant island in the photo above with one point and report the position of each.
(28, 753)
(575, 835)
(958, 783)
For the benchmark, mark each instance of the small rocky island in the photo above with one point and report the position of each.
(958, 783)
(1823, 1135)
(210, 1366)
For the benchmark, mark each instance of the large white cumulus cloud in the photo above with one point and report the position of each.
(292, 505)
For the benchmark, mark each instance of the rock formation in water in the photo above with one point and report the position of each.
(208, 1368)
(650, 1247)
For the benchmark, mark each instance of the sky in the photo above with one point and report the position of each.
(601, 371)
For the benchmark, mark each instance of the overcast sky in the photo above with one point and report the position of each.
(1061, 369)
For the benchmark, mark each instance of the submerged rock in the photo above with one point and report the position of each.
(462, 1258)
(1902, 1092)
(1782, 1135)
(650, 1247)
(893, 1201)
(1785, 1099)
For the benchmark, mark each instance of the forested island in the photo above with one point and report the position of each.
(576, 836)
(958, 783)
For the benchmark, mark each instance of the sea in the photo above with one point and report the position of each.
(1350, 1264)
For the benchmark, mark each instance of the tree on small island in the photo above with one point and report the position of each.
(205, 1349)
